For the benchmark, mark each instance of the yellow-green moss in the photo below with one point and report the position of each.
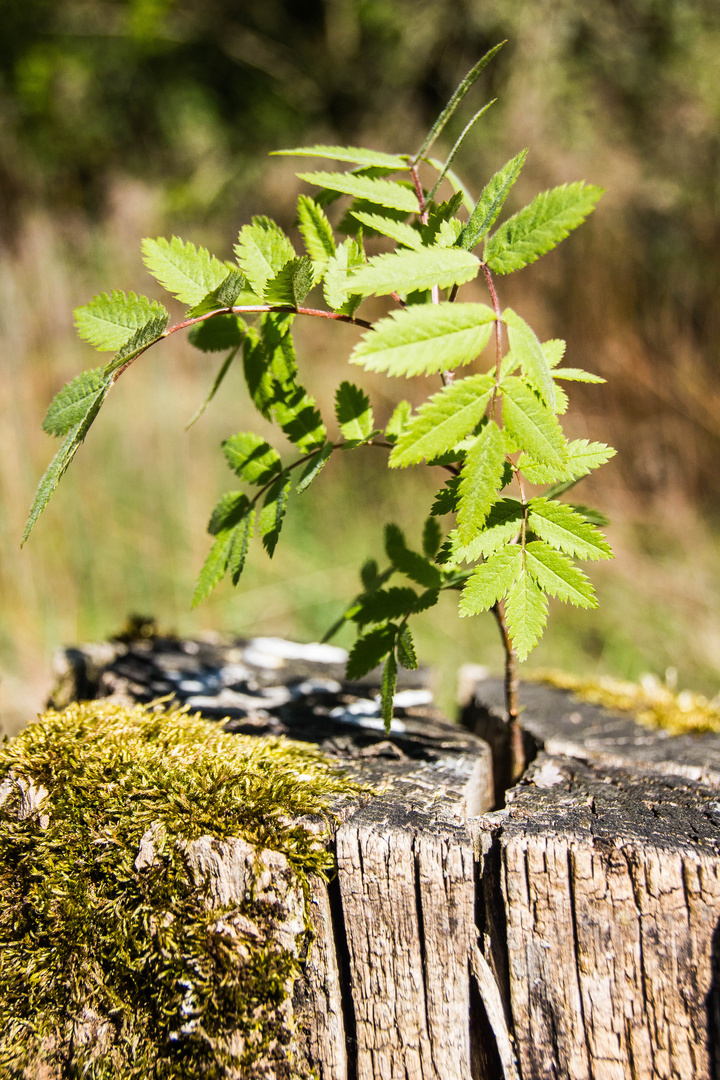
(652, 702)
(81, 929)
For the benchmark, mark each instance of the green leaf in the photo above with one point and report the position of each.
(431, 537)
(501, 527)
(353, 412)
(399, 231)
(564, 528)
(292, 283)
(480, 480)
(491, 202)
(446, 500)
(455, 100)
(573, 374)
(314, 466)
(409, 271)
(529, 353)
(369, 650)
(526, 614)
(369, 574)
(299, 419)
(109, 322)
(387, 690)
(425, 338)
(74, 437)
(554, 351)
(271, 516)
(583, 457)
(186, 271)
(558, 576)
(269, 361)
(398, 421)
(348, 256)
(490, 581)
(217, 334)
(224, 296)
(233, 520)
(384, 604)
(262, 250)
(388, 193)
(406, 649)
(145, 336)
(316, 232)
(71, 404)
(358, 155)
(411, 563)
(539, 227)
(438, 216)
(531, 424)
(445, 419)
(251, 458)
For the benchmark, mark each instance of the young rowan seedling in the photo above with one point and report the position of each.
(495, 431)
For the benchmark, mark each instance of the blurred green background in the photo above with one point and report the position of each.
(127, 118)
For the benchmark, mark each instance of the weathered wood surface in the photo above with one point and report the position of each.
(605, 865)
(573, 934)
(389, 988)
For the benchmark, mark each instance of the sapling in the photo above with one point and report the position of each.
(494, 429)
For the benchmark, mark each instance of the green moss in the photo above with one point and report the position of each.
(651, 702)
(89, 942)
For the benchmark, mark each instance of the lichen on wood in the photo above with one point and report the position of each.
(126, 952)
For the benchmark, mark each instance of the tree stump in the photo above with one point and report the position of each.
(571, 934)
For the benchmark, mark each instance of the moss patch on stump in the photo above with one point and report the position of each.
(124, 954)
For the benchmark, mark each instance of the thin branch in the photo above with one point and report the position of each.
(517, 749)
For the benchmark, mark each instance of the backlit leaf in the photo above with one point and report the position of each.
(425, 338)
(501, 527)
(316, 231)
(353, 412)
(526, 614)
(292, 283)
(566, 529)
(490, 581)
(369, 650)
(186, 271)
(388, 193)
(251, 458)
(529, 353)
(313, 468)
(398, 421)
(262, 250)
(399, 231)
(109, 322)
(531, 424)
(409, 271)
(480, 480)
(558, 576)
(539, 227)
(347, 257)
(271, 516)
(406, 649)
(218, 334)
(445, 419)
(358, 155)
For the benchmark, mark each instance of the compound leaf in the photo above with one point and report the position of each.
(262, 250)
(109, 322)
(445, 419)
(539, 227)
(480, 480)
(490, 581)
(501, 527)
(558, 576)
(411, 271)
(491, 202)
(353, 412)
(425, 338)
(186, 271)
(564, 528)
